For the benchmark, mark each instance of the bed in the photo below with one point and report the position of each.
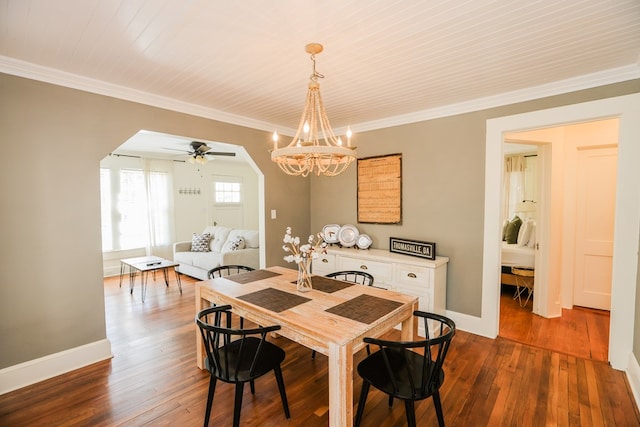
(520, 254)
(515, 256)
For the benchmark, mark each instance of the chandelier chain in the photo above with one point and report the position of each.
(315, 75)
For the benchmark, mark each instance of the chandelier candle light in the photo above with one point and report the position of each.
(314, 148)
(303, 255)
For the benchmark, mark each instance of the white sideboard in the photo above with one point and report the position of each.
(426, 279)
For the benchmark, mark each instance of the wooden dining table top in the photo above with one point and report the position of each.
(338, 316)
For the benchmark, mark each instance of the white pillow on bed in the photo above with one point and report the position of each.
(532, 238)
(524, 234)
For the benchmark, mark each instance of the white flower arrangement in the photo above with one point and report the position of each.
(309, 251)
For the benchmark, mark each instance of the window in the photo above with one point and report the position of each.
(227, 192)
(135, 208)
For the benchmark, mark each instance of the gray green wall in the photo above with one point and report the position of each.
(443, 187)
(52, 140)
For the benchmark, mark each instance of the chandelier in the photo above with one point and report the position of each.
(314, 148)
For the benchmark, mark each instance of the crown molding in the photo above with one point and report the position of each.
(587, 81)
(74, 81)
(50, 75)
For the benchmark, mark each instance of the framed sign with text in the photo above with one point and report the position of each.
(413, 247)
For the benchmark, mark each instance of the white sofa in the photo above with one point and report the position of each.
(221, 251)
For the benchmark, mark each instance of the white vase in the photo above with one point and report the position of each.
(304, 276)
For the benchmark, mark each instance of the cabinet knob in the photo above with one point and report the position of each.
(363, 267)
(325, 260)
(412, 275)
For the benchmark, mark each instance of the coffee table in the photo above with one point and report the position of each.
(145, 265)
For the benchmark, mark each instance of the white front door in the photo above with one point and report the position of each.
(595, 211)
(227, 201)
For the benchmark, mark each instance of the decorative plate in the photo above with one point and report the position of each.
(364, 241)
(348, 235)
(330, 233)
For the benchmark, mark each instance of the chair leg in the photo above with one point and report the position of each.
(283, 394)
(364, 391)
(313, 354)
(390, 400)
(237, 405)
(411, 413)
(438, 405)
(212, 389)
(253, 387)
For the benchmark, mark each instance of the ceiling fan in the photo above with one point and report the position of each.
(199, 152)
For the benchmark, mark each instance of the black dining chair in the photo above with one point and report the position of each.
(229, 270)
(353, 276)
(400, 371)
(359, 277)
(238, 356)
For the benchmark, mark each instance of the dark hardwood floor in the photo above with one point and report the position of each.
(580, 332)
(152, 380)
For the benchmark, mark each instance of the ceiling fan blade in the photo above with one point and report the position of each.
(176, 149)
(219, 153)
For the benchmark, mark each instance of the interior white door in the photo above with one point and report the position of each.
(595, 211)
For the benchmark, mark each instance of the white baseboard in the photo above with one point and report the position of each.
(112, 271)
(33, 371)
(633, 376)
(467, 323)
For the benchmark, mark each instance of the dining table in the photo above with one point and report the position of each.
(332, 318)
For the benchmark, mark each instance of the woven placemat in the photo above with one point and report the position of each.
(328, 285)
(252, 276)
(274, 299)
(364, 308)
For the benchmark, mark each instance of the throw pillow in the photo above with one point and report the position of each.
(200, 242)
(234, 244)
(505, 224)
(532, 237)
(512, 230)
(525, 233)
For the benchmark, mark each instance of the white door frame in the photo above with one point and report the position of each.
(627, 226)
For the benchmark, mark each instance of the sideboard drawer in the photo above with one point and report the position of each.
(412, 275)
(381, 271)
(324, 264)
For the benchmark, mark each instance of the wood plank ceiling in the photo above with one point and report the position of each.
(386, 62)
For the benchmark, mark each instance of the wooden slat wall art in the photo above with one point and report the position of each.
(380, 189)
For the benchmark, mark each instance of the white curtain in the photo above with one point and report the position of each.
(159, 190)
(513, 183)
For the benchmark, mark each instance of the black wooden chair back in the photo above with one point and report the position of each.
(409, 370)
(359, 277)
(238, 356)
(227, 270)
